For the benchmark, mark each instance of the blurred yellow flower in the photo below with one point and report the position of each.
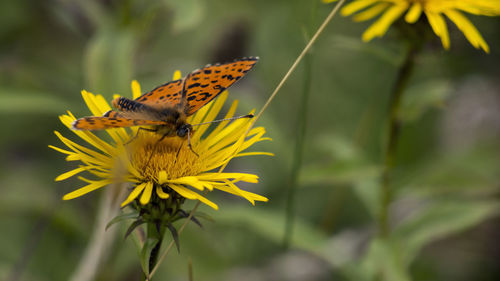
(172, 169)
(435, 10)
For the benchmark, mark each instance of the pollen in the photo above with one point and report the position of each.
(172, 155)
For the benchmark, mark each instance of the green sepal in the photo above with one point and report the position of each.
(122, 217)
(147, 248)
(204, 216)
(133, 226)
(175, 236)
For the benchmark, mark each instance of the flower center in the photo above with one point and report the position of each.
(172, 155)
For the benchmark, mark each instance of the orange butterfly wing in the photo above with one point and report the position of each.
(200, 87)
(111, 119)
(166, 95)
(205, 84)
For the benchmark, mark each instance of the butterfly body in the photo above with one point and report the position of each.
(167, 107)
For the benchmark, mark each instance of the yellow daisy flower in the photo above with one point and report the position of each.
(435, 10)
(172, 170)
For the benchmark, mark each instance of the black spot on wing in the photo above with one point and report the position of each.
(193, 85)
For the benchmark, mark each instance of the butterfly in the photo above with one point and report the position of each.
(166, 107)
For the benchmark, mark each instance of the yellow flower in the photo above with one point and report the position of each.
(172, 169)
(435, 10)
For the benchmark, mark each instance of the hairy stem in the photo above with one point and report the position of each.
(394, 129)
(97, 250)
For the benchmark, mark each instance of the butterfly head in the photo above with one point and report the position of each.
(184, 129)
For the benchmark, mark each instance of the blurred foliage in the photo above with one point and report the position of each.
(446, 192)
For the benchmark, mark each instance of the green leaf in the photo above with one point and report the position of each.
(122, 217)
(368, 191)
(423, 96)
(349, 164)
(175, 236)
(30, 102)
(203, 215)
(438, 220)
(187, 13)
(109, 61)
(133, 226)
(385, 52)
(473, 170)
(270, 224)
(147, 248)
(381, 262)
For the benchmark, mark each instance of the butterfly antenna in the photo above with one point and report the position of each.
(225, 119)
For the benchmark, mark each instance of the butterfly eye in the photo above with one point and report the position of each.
(183, 130)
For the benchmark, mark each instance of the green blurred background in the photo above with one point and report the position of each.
(446, 207)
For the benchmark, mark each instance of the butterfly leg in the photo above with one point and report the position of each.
(189, 142)
(178, 151)
(137, 134)
(154, 148)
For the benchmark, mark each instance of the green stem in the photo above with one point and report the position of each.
(297, 154)
(299, 142)
(403, 76)
(152, 232)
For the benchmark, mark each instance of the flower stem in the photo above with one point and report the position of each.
(299, 140)
(165, 252)
(98, 248)
(297, 154)
(154, 232)
(403, 76)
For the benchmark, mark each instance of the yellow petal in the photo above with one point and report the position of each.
(469, 30)
(211, 116)
(146, 194)
(414, 13)
(136, 89)
(371, 12)
(61, 150)
(161, 193)
(237, 191)
(356, 6)
(380, 27)
(162, 177)
(99, 158)
(86, 189)
(223, 176)
(90, 100)
(253, 154)
(73, 157)
(177, 75)
(253, 196)
(192, 181)
(439, 27)
(131, 197)
(70, 173)
(189, 194)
